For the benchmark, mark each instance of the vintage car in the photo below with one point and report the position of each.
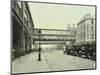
(87, 51)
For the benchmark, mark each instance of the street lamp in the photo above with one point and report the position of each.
(39, 55)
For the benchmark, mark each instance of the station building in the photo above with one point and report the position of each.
(22, 27)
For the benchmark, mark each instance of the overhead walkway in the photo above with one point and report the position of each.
(53, 36)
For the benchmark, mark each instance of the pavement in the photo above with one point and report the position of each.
(50, 61)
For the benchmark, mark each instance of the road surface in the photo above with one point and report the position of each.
(51, 61)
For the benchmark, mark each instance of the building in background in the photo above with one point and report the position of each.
(22, 26)
(86, 30)
(72, 31)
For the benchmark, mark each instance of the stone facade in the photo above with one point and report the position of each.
(22, 26)
(86, 30)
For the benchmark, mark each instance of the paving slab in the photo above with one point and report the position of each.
(51, 61)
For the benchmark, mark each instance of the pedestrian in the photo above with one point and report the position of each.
(51, 49)
(64, 49)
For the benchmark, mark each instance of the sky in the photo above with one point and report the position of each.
(57, 16)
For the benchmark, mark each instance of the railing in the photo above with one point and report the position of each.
(53, 38)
